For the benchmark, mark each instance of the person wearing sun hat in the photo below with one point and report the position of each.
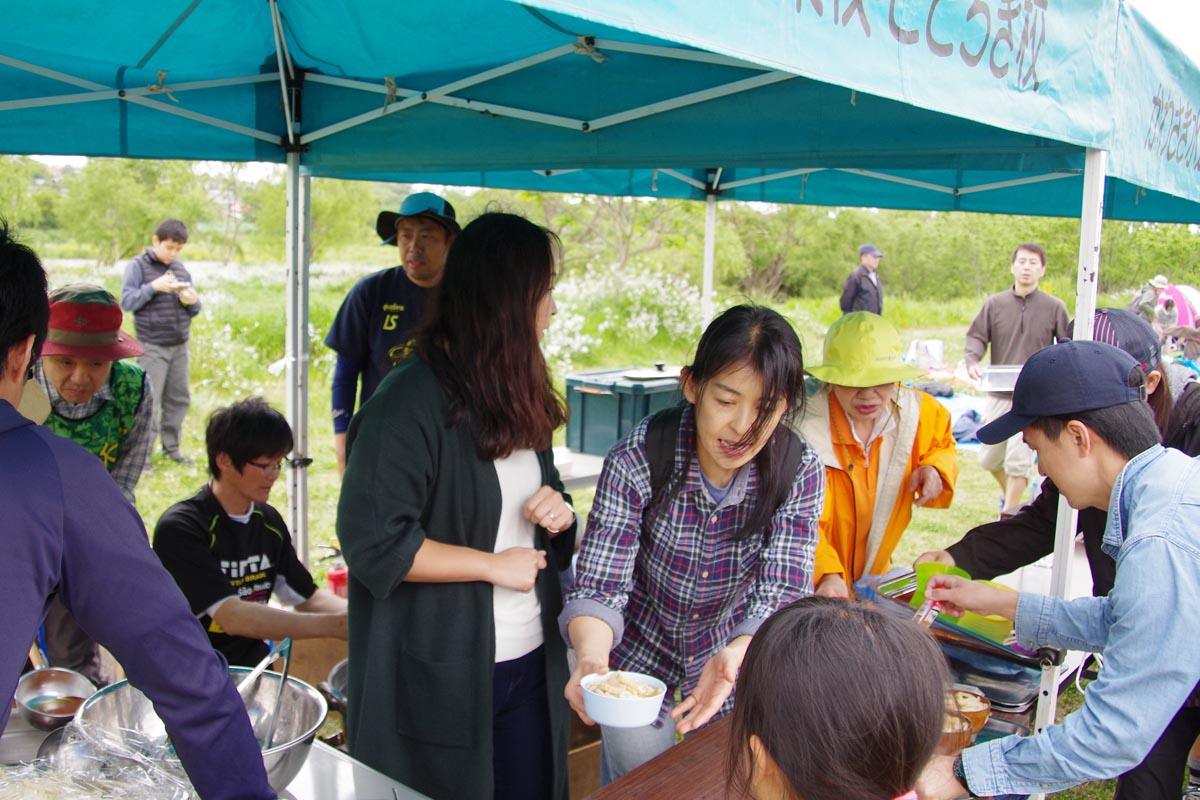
(1081, 406)
(103, 403)
(1145, 302)
(97, 399)
(884, 446)
(373, 329)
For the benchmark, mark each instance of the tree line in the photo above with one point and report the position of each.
(107, 209)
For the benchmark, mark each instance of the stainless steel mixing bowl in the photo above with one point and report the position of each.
(120, 716)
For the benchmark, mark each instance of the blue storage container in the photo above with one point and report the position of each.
(606, 405)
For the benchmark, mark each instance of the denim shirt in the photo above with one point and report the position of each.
(1144, 628)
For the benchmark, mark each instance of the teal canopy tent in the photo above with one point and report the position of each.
(1070, 108)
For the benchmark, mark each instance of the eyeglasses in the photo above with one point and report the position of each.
(277, 467)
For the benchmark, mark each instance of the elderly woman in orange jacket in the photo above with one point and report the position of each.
(884, 446)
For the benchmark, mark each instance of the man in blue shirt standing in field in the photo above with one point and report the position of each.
(373, 328)
(1080, 405)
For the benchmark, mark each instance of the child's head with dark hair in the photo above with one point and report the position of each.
(836, 700)
(748, 373)
(172, 230)
(249, 430)
(24, 306)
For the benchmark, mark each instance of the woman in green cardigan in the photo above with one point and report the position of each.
(454, 527)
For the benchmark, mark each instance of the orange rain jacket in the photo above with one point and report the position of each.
(867, 502)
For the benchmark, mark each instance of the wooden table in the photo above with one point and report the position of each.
(694, 768)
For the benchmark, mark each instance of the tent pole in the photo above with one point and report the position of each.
(298, 219)
(1085, 307)
(710, 249)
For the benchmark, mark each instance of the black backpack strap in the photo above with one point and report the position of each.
(661, 434)
(789, 451)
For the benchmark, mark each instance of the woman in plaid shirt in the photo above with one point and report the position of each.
(674, 583)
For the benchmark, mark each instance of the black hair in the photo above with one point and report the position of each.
(869, 743)
(1128, 428)
(763, 340)
(172, 229)
(244, 431)
(24, 306)
(480, 337)
(1031, 247)
(1184, 432)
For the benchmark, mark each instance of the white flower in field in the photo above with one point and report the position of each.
(276, 368)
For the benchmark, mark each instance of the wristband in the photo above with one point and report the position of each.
(960, 774)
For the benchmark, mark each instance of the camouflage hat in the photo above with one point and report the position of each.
(85, 322)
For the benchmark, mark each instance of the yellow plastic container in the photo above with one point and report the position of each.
(993, 627)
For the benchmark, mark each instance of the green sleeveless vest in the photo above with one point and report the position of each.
(103, 432)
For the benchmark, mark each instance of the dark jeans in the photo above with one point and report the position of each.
(1160, 775)
(521, 729)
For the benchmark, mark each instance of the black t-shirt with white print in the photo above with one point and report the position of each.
(213, 557)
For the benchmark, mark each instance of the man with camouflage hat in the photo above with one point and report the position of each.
(98, 400)
(102, 403)
(373, 329)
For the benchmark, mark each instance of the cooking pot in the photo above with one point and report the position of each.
(49, 696)
(334, 686)
(123, 716)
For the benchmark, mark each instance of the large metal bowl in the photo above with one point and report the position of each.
(119, 716)
(48, 697)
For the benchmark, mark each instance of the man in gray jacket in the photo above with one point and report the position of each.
(158, 289)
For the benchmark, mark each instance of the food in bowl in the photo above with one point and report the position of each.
(956, 734)
(615, 684)
(622, 699)
(970, 704)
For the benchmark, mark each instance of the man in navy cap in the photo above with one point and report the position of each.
(373, 329)
(1080, 406)
(863, 291)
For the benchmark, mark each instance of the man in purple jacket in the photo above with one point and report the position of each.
(68, 530)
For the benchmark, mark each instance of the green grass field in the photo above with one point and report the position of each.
(238, 349)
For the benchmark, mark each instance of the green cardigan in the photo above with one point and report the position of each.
(422, 654)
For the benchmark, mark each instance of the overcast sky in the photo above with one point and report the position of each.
(1178, 19)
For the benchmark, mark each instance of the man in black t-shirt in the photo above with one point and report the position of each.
(229, 550)
(374, 327)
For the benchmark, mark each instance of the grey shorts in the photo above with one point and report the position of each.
(1011, 456)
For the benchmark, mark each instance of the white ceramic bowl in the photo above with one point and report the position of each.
(622, 712)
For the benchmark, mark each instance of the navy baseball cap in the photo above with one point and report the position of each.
(420, 204)
(869, 250)
(1067, 378)
(1128, 331)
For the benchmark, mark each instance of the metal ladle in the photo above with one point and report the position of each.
(273, 714)
(248, 682)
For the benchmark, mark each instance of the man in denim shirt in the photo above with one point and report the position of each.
(1080, 406)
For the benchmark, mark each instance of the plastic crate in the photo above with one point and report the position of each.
(606, 405)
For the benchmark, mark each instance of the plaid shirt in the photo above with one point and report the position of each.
(677, 588)
(134, 453)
